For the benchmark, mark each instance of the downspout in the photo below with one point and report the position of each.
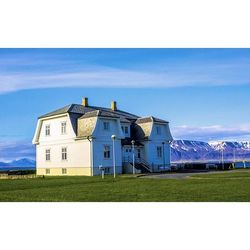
(91, 155)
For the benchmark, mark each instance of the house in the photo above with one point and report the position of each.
(78, 139)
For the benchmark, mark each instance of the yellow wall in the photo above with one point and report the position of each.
(70, 171)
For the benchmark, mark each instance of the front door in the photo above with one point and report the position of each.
(127, 154)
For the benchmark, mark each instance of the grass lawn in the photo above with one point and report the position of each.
(221, 186)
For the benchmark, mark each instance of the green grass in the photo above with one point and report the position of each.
(226, 186)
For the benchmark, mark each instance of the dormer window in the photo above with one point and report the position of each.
(63, 128)
(106, 126)
(158, 130)
(125, 130)
(47, 130)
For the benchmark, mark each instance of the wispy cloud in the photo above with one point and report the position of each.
(210, 133)
(44, 72)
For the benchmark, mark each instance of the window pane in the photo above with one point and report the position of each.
(47, 130)
(106, 125)
(107, 152)
(64, 153)
(63, 128)
(126, 130)
(158, 130)
(47, 154)
(159, 152)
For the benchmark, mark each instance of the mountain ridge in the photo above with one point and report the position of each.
(24, 162)
(187, 150)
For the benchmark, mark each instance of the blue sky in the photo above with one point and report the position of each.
(204, 93)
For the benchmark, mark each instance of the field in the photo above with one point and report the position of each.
(221, 186)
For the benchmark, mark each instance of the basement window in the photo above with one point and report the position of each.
(47, 171)
(64, 170)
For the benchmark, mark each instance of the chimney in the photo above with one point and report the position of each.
(85, 102)
(113, 105)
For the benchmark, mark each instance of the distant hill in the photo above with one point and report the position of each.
(25, 162)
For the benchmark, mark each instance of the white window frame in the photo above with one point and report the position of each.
(47, 130)
(158, 130)
(64, 128)
(48, 153)
(105, 151)
(159, 152)
(64, 153)
(106, 125)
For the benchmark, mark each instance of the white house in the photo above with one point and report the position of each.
(77, 140)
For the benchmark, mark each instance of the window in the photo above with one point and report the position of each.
(47, 171)
(47, 154)
(158, 130)
(107, 152)
(159, 152)
(63, 128)
(47, 130)
(106, 126)
(64, 154)
(126, 130)
(138, 153)
(123, 129)
(64, 170)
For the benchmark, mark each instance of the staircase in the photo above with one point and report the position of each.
(141, 165)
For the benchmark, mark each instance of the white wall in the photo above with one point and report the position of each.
(103, 137)
(78, 152)
(98, 152)
(55, 130)
(156, 141)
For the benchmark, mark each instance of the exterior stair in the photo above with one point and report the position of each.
(142, 165)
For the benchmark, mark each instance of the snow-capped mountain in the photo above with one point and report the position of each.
(184, 150)
(19, 163)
